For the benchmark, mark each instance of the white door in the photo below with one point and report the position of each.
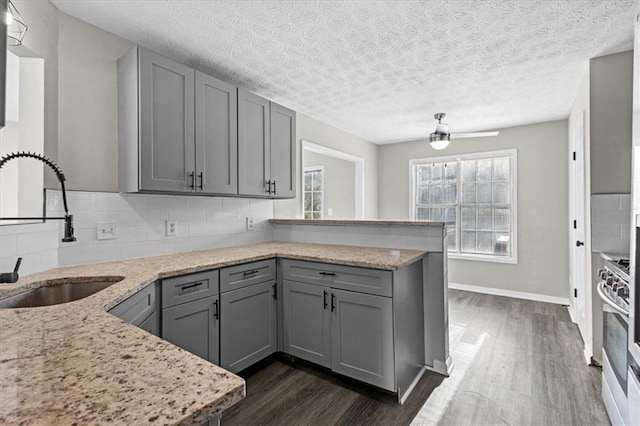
(579, 290)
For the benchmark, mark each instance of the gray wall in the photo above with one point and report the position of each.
(339, 184)
(611, 90)
(542, 206)
(320, 133)
(87, 104)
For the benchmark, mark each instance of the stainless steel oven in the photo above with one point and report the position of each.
(613, 289)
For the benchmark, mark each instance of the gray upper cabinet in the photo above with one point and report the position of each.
(249, 325)
(254, 144)
(177, 128)
(156, 101)
(283, 151)
(307, 322)
(266, 147)
(216, 136)
(362, 338)
(183, 131)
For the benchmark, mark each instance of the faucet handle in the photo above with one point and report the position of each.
(11, 277)
(15, 268)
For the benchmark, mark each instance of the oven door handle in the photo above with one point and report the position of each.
(610, 302)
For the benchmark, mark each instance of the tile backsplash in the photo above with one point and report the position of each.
(140, 222)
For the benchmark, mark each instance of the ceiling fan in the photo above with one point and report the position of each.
(441, 137)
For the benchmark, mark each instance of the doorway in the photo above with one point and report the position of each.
(578, 247)
(332, 183)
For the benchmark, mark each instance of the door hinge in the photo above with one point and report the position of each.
(575, 224)
(574, 156)
(575, 292)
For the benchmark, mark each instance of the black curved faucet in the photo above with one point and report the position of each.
(68, 218)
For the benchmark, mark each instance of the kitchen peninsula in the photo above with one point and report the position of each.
(77, 362)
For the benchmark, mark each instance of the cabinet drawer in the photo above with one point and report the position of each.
(361, 280)
(137, 308)
(247, 274)
(187, 288)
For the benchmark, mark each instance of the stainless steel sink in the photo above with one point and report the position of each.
(53, 293)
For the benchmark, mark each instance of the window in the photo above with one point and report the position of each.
(475, 195)
(313, 192)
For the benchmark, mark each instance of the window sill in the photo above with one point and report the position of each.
(513, 260)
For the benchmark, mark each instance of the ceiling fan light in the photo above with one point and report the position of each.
(439, 140)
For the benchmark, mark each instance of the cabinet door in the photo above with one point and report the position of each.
(283, 151)
(362, 338)
(194, 326)
(253, 145)
(307, 322)
(167, 141)
(249, 322)
(152, 324)
(216, 136)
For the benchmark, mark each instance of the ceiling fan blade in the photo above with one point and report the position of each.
(473, 135)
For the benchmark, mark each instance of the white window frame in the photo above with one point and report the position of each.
(513, 153)
(314, 169)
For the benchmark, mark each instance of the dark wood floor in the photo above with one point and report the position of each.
(516, 363)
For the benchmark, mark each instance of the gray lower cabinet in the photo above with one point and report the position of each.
(141, 309)
(195, 327)
(307, 322)
(191, 313)
(362, 337)
(152, 324)
(248, 332)
(366, 324)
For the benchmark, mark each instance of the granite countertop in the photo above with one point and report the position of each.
(75, 363)
(338, 222)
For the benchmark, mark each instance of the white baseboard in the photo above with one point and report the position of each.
(573, 318)
(511, 293)
(588, 353)
(442, 367)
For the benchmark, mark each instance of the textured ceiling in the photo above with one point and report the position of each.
(381, 69)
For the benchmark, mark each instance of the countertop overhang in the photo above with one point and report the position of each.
(75, 362)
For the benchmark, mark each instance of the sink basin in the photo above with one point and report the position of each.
(54, 293)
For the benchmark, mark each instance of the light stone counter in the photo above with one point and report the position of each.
(75, 363)
(360, 222)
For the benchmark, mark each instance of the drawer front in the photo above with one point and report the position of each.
(247, 274)
(188, 288)
(140, 306)
(361, 280)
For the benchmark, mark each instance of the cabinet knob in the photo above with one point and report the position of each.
(192, 175)
(201, 176)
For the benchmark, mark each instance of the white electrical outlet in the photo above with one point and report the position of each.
(171, 228)
(249, 224)
(106, 231)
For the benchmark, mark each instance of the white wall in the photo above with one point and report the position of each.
(339, 185)
(87, 104)
(542, 267)
(312, 130)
